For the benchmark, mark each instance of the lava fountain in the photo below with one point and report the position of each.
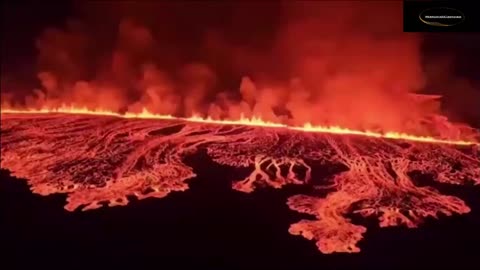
(101, 157)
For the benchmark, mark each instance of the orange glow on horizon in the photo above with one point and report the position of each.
(254, 121)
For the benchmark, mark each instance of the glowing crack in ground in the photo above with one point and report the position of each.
(98, 159)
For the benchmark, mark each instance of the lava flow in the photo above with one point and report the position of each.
(99, 157)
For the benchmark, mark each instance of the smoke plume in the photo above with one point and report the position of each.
(331, 63)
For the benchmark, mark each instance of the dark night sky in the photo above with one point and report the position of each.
(24, 21)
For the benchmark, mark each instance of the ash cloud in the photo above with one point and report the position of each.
(336, 63)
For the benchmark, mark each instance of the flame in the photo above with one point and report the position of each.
(253, 121)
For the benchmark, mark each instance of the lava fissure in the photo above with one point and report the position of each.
(254, 121)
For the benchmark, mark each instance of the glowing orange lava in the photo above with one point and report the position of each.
(99, 157)
(254, 121)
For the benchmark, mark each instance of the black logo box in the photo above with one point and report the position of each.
(412, 10)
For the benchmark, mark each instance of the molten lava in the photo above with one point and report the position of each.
(254, 121)
(99, 157)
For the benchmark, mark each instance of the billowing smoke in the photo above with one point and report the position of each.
(336, 63)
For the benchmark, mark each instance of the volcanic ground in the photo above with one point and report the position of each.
(104, 160)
